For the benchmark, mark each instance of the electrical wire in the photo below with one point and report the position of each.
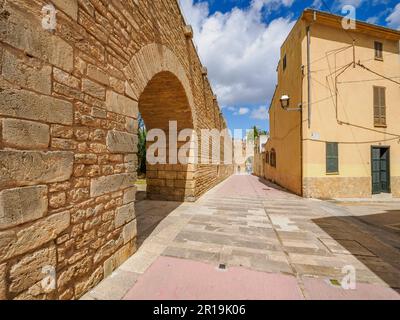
(376, 73)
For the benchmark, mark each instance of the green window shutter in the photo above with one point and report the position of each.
(382, 104)
(376, 106)
(332, 157)
(379, 106)
(378, 50)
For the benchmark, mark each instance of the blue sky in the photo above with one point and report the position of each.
(239, 40)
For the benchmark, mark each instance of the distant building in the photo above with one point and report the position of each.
(243, 162)
(259, 165)
(339, 137)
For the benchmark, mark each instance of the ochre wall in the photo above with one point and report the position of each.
(353, 126)
(285, 126)
(69, 102)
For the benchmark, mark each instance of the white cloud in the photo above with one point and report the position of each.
(354, 3)
(394, 19)
(240, 111)
(317, 4)
(373, 20)
(260, 113)
(243, 111)
(239, 49)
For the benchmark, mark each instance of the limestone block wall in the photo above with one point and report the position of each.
(69, 102)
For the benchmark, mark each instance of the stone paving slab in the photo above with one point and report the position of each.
(249, 224)
(114, 287)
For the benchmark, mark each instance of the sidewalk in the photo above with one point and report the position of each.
(247, 239)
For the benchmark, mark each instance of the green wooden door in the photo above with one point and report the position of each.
(380, 170)
(376, 170)
(384, 174)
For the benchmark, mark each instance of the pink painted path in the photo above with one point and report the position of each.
(321, 290)
(251, 186)
(175, 279)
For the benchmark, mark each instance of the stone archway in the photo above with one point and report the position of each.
(164, 100)
(69, 103)
(158, 82)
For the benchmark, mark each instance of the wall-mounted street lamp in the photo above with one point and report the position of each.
(285, 103)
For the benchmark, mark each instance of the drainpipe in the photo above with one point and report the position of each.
(309, 74)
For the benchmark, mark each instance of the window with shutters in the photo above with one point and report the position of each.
(332, 158)
(284, 62)
(380, 107)
(273, 158)
(267, 158)
(378, 50)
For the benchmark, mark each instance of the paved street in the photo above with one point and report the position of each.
(247, 239)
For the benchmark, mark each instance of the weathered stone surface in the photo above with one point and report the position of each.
(108, 184)
(36, 78)
(30, 269)
(107, 250)
(65, 78)
(97, 74)
(37, 292)
(84, 80)
(130, 195)
(332, 187)
(79, 269)
(118, 259)
(129, 91)
(395, 181)
(124, 214)
(120, 104)
(28, 105)
(57, 200)
(7, 240)
(3, 283)
(29, 36)
(67, 295)
(130, 231)
(14, 243)
(58, 131)
(131, 125)
(21, 205)
(23, 168)
(93, 89)
(99, 113)
(84, 286)
(121, 142)
(25, 134)
(70, 7)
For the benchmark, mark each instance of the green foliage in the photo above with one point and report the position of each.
(142, 135)
(254, 133)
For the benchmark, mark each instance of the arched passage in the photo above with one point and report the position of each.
(164, 105)
(159, 83)
(70, 100)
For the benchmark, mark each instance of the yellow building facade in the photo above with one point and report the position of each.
(339, 135)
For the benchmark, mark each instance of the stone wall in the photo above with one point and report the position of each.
(395, 186)
(69, 103)
(337, 187)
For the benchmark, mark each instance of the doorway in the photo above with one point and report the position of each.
(380, 170)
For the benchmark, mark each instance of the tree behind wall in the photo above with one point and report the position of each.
(255, 133)
(142, 135)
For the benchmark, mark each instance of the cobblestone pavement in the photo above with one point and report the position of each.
(248, 239)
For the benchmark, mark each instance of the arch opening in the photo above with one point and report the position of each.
(164, 105)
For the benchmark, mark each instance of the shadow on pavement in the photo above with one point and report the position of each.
(149, 214)
(373, 239)
(273, 186)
